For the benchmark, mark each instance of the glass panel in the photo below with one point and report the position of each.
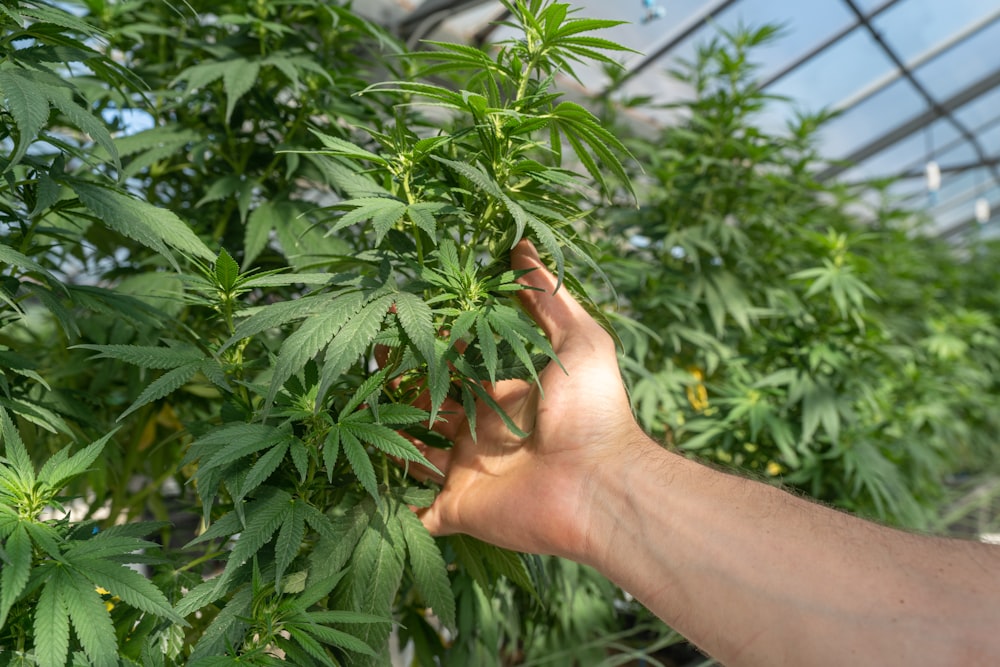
(980, 111)
(877, 115)
(910, 154)
(846, 67)
(868, 6)
(967, 63)
(804, 25)
(990, 141)
(912, 28)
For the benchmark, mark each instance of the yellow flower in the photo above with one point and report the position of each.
(696, 393)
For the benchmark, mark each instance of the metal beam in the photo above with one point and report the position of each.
(919, 87)
(823, 46)
(969, 223)
(939, 110)
(926, 56)
(428, 16)
(949, 169)
(686, 30)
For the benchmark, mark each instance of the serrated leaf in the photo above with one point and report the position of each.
(337, 146)
(224, 629)
(314, 335)
(91, 621)
(15, 451)
(417, 320)
(331, 450)
(129, 585)
(261, 470)
(83, 119)
(278, 314)
(155, 228)
(357, 456)
(300, 458)
(264, 516)
(312, 648)
(27, 106)
(376, 573)
(239, 77)
(227, 271)
(351, 341)
(373, 384)
(14, 258)
(14, 575)
(339, 638)
(259, 224)
(162, 386)
(51, 625)
(74, 465)
(289, 541)
(146, 356)
(387, 440)
(429, 569)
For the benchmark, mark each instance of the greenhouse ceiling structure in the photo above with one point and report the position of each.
(915, 83)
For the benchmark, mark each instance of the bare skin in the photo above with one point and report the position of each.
(751, 574)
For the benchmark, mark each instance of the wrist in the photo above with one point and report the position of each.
(615, 489)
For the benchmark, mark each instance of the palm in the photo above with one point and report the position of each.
(528, 493)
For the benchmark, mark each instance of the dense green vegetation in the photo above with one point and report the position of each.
(238, 240)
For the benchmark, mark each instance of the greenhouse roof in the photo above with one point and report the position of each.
(914, 81)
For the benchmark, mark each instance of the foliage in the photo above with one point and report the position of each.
(248, 249)
(781, 331)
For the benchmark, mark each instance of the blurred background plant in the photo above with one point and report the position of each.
(211, 216)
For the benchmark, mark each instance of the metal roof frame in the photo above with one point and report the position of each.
(900, 132)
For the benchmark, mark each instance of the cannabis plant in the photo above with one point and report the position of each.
(360, 235)
(777, 331)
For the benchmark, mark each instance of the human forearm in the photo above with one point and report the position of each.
(756, 576)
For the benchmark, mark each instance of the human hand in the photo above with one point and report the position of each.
(535, 494)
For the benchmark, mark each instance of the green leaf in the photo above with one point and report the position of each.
(227, 271)
(283, 312)
(264, 517)
(14, 575)
(337, 146)
(261, 470)
(13, 258)
(15, 451)
(385, 439)
(331, 450)
(57, 476)
(429, 569)
(259, 224)
(62, 99)
(289, 542)
(27, 106)
(91, 620)
(129, 585)
(376, 573)
(162, 386)
(384, 213)
(239, 77)
(51, 625)
(146, 356)
(315, 334)
(352, 340)
(337, 637)
(357, 456)
(417, 320)
(155, 228)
